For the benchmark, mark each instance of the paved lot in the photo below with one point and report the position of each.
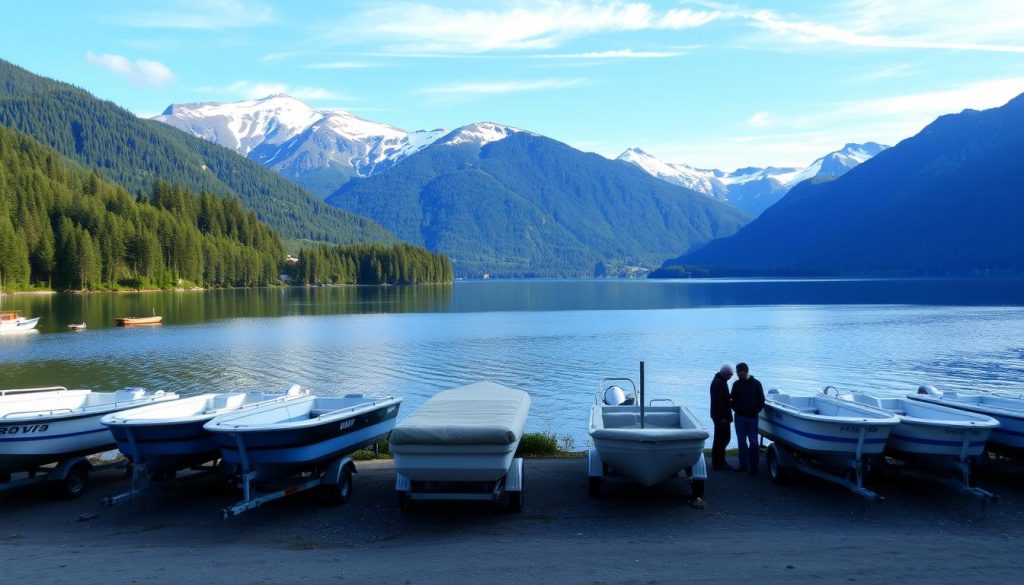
(751, 530)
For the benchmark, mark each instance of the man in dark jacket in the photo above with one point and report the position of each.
(721, 417)
(747, 401)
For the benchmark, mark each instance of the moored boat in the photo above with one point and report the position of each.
(137, 321)
(76, 326)
(13, 322)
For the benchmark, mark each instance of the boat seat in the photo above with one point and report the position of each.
(666, 420)
(615, 420)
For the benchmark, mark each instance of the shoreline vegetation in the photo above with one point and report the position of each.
(66, 228)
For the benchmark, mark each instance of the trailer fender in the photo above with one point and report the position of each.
(60, 472)
(332, 476)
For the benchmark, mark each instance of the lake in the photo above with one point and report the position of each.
(556, 339)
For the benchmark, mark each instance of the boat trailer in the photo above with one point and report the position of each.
(335, 480)
(508, 489)
(70, 477)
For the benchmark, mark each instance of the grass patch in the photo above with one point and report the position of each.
(540, 445)
(380, 450)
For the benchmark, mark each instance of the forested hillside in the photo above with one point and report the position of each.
(370, 263)
(135, 153)
(68, 228)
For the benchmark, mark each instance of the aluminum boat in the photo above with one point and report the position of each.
(1007, 409)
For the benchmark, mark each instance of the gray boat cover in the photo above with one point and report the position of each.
(480, 413)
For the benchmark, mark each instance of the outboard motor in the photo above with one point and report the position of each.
(616, 396)
(929, 390)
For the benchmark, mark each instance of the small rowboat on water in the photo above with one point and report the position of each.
(133, 321)
(76, 326)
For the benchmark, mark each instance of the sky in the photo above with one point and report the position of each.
(713, 85)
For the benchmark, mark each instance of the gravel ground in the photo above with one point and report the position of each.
(750, 530)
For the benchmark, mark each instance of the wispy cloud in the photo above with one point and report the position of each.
(244, 89)
(498, 87)
(890, 72)
(612, 54)
(523, 26)
(981, 25)
(339, 65)
(759, 120)
(139, 72)
(198, 14)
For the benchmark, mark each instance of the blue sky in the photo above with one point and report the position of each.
(705, 83)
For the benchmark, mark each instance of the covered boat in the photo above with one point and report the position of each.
(39, 426)
(167, 437)
(1007, 409)
(461, 436)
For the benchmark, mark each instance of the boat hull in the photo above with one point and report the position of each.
(649, 462)
(822, 436)
(287, 447)
(938, 440)
(166, 447)
(27, 445)
(1010, 432)
(20, 325)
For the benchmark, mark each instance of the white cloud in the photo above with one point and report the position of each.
(759, 120)
(338, 65)
(498, 87)
(981, 25)
(139, 72)
(521, 26)
(199, 14)
(613, 54)
(244, 89)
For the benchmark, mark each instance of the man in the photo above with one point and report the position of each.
(721, 417)
(747, 401)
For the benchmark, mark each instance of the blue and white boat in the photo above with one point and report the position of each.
(931, 430)
(303, 431)
(165, 438)
(40, 426)
(1006, 409)
(285, 448)
(824, 436)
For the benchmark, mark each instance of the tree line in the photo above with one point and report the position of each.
(68, 228)
(370, 264)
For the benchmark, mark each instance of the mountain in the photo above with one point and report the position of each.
(135, 153)
(318, 149)
(946, 201)
(752, 189)
(508, 202)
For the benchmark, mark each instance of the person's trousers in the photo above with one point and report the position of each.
(722, 435)
(746, 434)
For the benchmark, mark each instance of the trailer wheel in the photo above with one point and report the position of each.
(404, 501)
(778, 473)
(74, 483)
(594, 486)
(342, 492)
(515, 502)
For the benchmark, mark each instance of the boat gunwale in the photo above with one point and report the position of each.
(221, 426)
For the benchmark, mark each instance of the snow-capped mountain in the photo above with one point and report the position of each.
(320, 149)
(678, 174)
(752, 189)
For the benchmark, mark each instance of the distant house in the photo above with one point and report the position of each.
(291, 260)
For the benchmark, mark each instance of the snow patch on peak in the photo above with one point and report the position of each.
(704, 182)
(481, 133)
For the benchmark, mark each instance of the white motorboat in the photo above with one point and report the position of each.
(467, 435)
(39, 426)
(309, 434)
(931, 430)
(646, 444)
(1007, 409)
(13, 322)
(823, 436)
(165, 438)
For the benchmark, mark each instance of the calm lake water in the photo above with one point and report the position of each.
(556, 339)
